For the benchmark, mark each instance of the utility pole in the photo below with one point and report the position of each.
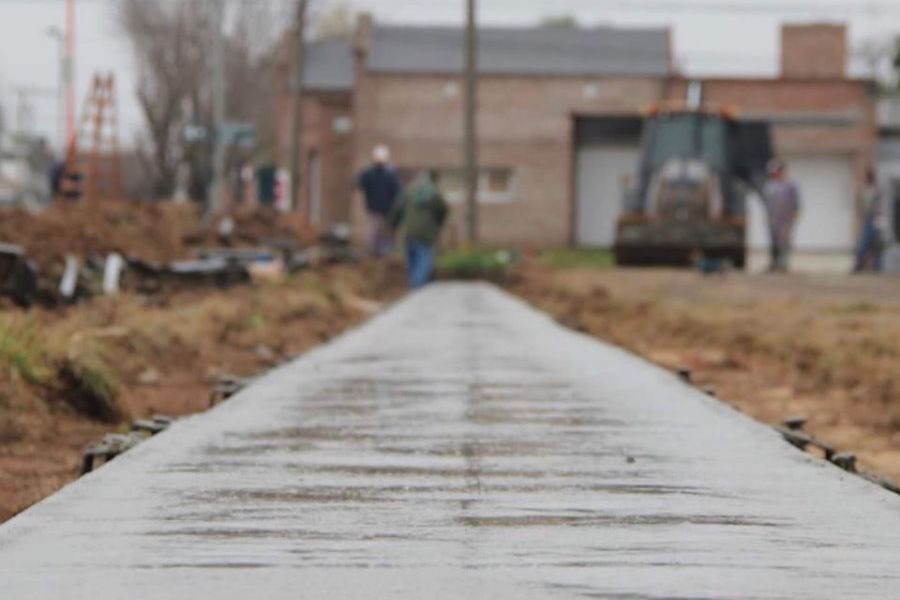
(297, 82)
(214, 200)
(60, 38)
(471, 124)
(69, 74)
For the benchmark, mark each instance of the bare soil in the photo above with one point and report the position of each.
(157, 355)
(160, 232)
(773, 346)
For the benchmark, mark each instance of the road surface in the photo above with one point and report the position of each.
(461, 445)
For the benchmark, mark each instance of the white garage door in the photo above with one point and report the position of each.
(827, 198)
(600, 173)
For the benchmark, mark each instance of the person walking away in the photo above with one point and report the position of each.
(782, 200)
(422, 212)
(380, 187)
(870, 250)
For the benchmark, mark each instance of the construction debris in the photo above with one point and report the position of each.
(792, 431)
(111, 446)
(226, 386)
(18, 276)
(114, 444)
(153, 425)
(74, 251)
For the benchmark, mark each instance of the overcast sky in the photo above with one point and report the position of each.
(711, 36)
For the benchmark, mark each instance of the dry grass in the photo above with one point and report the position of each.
(774, 347)
(67, 377)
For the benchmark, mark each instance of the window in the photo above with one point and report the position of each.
(677, 136)
(495, 185)
(673, 138)
(712, 142)
(498, 182)
(452, 184)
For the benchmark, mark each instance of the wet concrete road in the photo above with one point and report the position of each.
(461, 446)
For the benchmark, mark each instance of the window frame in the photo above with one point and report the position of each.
(485, 196)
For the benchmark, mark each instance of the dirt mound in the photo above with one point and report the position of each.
(158, 232)
(153, 231)
(251, 227)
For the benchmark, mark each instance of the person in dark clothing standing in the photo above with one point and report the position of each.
(870, 249)
(422, 212)
(380, 187)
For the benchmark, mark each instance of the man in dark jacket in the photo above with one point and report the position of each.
(380, 186)
(422, 212)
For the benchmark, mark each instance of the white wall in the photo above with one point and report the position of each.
(600, 170)
(828, 206)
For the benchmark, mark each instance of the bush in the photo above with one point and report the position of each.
(90, 387)
(493, 265)
(23, 353)
(578, 258)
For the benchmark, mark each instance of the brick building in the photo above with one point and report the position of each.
(328, 126)
(560, 121)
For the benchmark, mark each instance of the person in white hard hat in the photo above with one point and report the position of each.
(380, 187)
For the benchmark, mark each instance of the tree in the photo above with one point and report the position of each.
(171, 40)
(338, 22)
(881, 59)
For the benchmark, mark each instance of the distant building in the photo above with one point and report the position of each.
(328, 143)
(560, 122)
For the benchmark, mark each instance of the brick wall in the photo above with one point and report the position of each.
(810, 115)
(525, 125)
(815, 50)
(335, 148)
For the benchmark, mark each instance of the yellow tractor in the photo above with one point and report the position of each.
(697, 168)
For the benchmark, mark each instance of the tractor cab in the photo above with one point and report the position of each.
(696, 169)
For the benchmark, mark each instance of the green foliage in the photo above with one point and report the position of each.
(256, 321)
(562, 21)
(475, 264)
(578, 258)
(23, 353)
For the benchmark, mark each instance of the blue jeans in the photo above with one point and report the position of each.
(869, 250)
(419, 263)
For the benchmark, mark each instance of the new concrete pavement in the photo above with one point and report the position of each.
(461, 445)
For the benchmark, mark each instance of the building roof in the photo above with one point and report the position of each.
(534, 51)
(329, 65)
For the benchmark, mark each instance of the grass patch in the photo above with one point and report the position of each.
(89, 385)
(23, 352)
(578, 258)
(475, 264)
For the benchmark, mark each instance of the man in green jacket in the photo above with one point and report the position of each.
(422, 212)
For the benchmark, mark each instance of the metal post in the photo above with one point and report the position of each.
(60, 39)
(214, 201)
(69, 73)
(471, 124)
(299, 72)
